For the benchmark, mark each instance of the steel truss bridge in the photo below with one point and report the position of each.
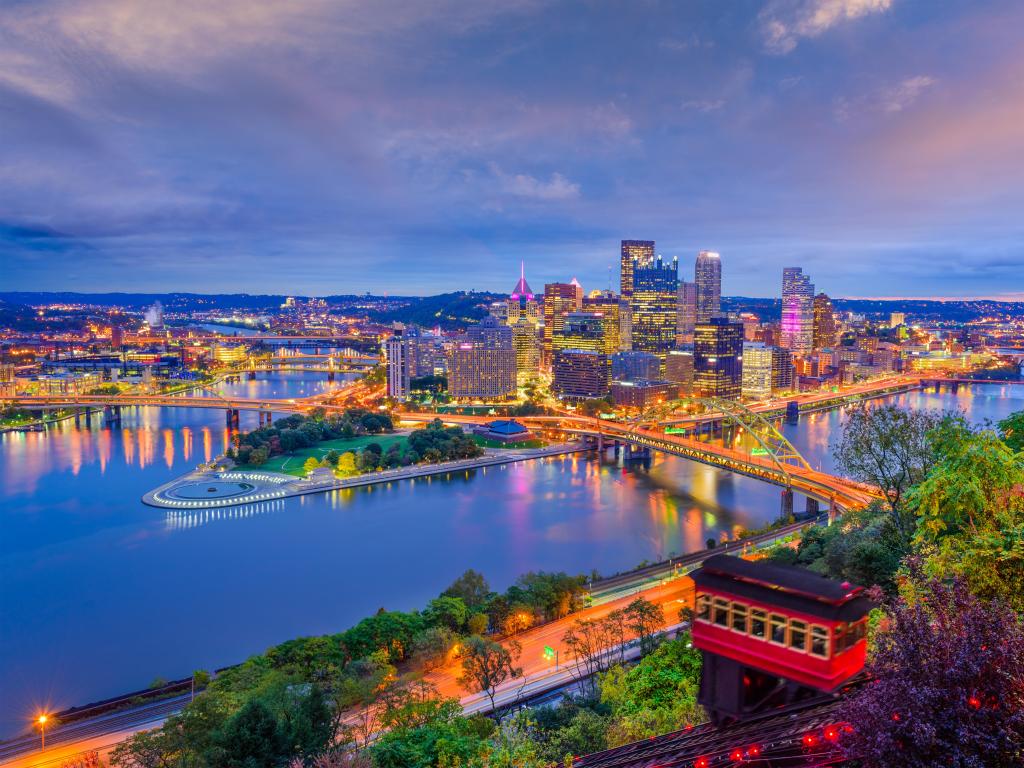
(773, 460)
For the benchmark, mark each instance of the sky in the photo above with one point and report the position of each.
(319, 147)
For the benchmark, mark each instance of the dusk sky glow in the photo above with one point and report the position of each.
(329, 147)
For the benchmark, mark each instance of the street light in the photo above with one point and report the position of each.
(42, 731)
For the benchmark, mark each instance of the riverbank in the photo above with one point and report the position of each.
(267, 486)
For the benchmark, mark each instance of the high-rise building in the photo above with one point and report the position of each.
(825, 328)
(482, 363)
(708, 279)
(718, 358)
(582, 330)
(687, 312)
(559, 300)
(526, 342)
(654, 307)
(634, 252)
(757, 371)
(397, 358)
(679, 370)
(797, 311)
(897, 319)
(632, 365)
(642, 394)
(580, 374)
(609, 307)
(783, 378)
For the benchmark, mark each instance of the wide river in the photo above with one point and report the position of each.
(100, 594)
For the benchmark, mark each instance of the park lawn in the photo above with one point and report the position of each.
(487, 443)
(292, 463)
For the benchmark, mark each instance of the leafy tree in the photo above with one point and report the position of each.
(477, 624)
(432, 646)
(250, 739)
(656, 696)
(970, 512)
(486, 665)
(888, 447)
(471, 587)
(347, 463)
(390, 631)
(332, 457)
(644, 619)
(1012, 431)
(307, 724)
(948, 683)
(444, 611)
(258, 457)
(358, 717)
(310, 464)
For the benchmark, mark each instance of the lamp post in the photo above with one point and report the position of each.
(42, 731)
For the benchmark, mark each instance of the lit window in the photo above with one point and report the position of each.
(778, 629)
(721, 612)
(798, 635)
(819, 641)
(739, 617)
(703, 608)
(758, 623)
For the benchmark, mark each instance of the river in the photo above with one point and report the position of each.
(101, 594)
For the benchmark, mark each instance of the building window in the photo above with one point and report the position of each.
(739, 617)
(721, 612)
(703, 608)
(758, 623)
(819, 641)
(778, 629)
(798, 635)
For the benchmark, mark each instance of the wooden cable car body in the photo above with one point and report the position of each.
(773, 634)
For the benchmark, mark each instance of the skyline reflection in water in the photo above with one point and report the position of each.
(102, 594)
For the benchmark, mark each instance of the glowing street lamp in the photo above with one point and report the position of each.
(41, 720)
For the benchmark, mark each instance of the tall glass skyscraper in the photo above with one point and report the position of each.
(687, 312)
(634, 253)
(654, 307)
(718, 359)
(708, 276)
(559, 300)
(797, 311)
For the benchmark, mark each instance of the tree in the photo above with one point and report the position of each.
(357, 713)
(948, 683)
(888, 447)
(644, 619)
(347, 463)
(450, 612)
(970, 511)
(471, 587)
(1012, 431)
(487, 664)
(257, 457)
(332, 457)
(656, 696)
(307, 728)
(432, 646)
(310, 464)
(250, 739)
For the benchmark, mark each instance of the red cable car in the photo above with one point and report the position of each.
(773, 634)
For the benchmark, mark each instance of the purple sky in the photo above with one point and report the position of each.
(423, 146)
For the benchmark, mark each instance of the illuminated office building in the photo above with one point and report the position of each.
(396, 353)
(797, 311)
(642, 394)
(582, 330)
(580, 374)
(634, 253)
(631, 365)
(526, 342)
(825, 327)
(718, 359)
(482, 363)
(521, 302)
(654, 307)
(757, 371)
(708, 278)
(783, 373)
(610, 307)
(687, 312)
(679, 370)
(559, 300)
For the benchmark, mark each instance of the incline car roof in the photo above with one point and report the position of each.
(787, 578)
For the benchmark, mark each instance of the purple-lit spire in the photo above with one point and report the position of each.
(522, 289)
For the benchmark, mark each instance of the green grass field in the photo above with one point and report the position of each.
(291, 463)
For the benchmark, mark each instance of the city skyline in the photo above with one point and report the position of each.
(252, 149)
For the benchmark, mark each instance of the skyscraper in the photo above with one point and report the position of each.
(526, 342)
(718, 358)
(797, 311)
(687, 312)
(654, 307)
(708, 277)
(634, 252)
(580, 374)
(609, 307)
(824, 322)
(482, 363)
(559, 300)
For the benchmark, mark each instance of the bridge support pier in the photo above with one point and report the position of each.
(792, 412)
(330, 375)
(231, 418)
(812, 506)
(833, 512)
(787, 502)
(252, 375)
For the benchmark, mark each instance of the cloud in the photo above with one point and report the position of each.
(905, 93)
(784, 22)
(557, 187)
(703, 105)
